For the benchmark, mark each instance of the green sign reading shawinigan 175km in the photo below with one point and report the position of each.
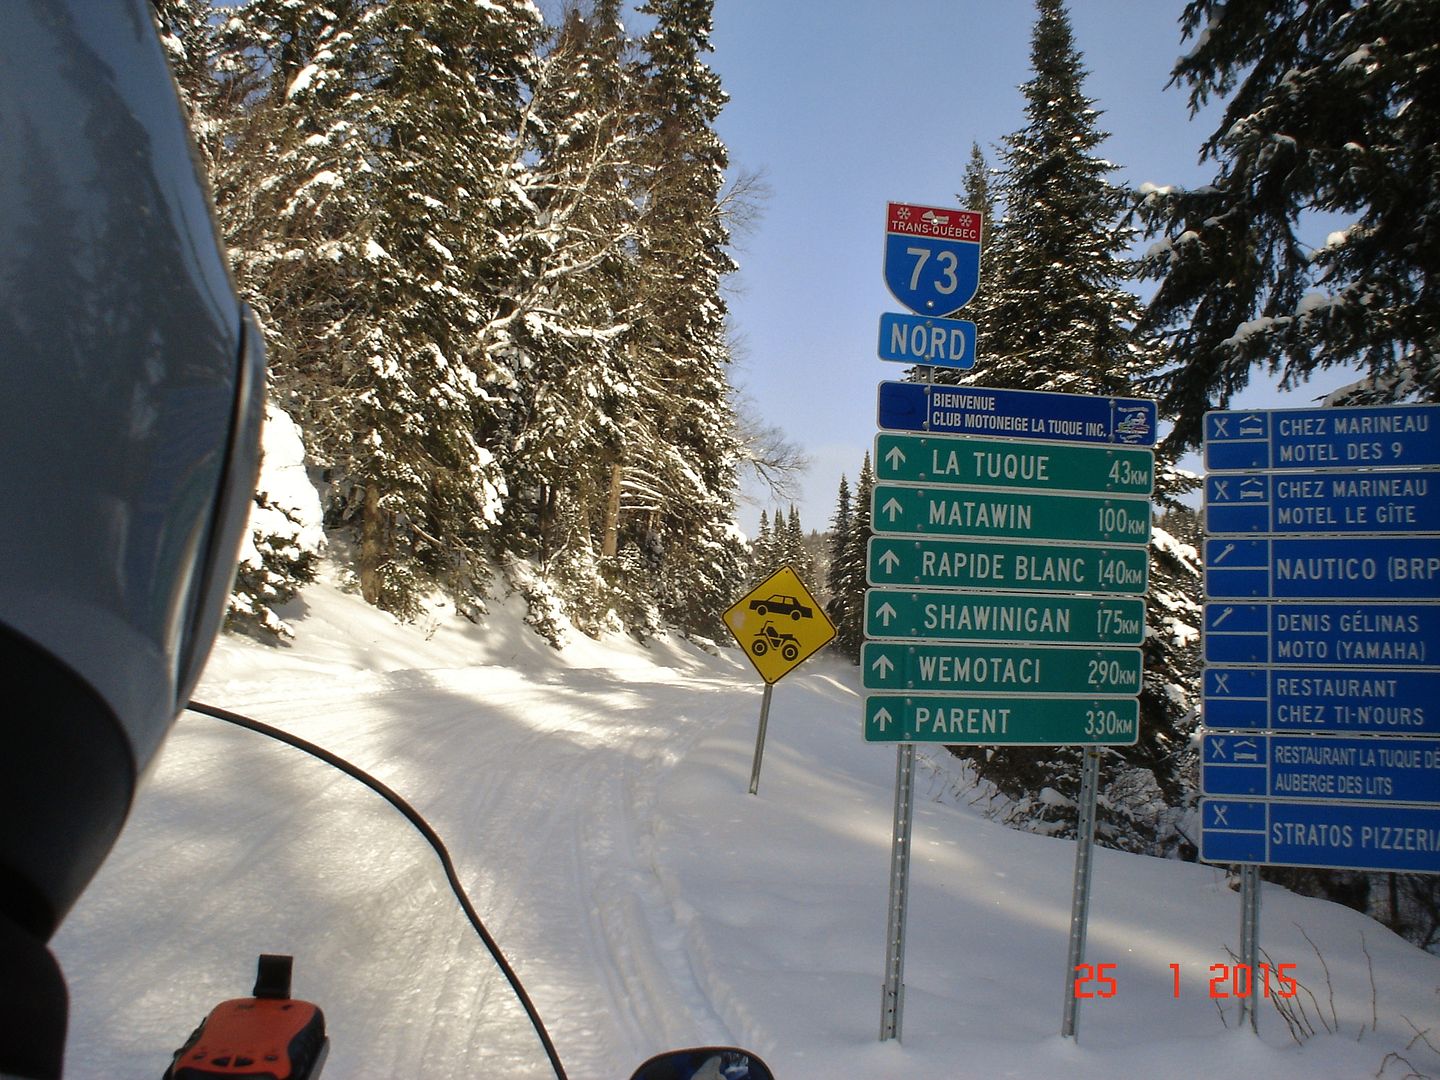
(902, 666)
(1037, 617)
(999, 564)
(1029, 515)
(978, 719)
(1013, 463)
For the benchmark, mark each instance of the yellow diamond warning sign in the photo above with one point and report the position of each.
(779, 624)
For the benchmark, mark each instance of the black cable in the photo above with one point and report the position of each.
(413, 816)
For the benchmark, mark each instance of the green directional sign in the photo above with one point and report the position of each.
(940, 511)
(981, 720)
(984, 564)
(1013, 463)
(901, 666)
(1039, 617)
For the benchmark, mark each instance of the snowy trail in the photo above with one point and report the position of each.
(543, 784)
(594, 803)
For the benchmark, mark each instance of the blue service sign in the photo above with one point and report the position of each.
(935, 342)
(1323, 568)
(1320, 767)
(1400, 501)
(1023, 414)
(932, 257)
(1367, 635)
(1334, 438)
(1340, 836)
(1320, 700)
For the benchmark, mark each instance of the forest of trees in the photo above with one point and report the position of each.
(488, 256)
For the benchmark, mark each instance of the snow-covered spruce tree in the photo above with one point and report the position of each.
(795, 554)
(1333, 106)
(1060, 318)
(371, 216)
(283, 544)
(840, 525)
(849, 564)
(570, 428)
(683, 446)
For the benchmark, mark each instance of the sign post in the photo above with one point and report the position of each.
(779, 626)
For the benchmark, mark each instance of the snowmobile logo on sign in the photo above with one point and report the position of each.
(932, 257)
(779, 625)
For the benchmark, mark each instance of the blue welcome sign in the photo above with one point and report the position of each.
(932, 257)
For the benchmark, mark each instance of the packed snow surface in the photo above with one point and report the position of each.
(595, 802)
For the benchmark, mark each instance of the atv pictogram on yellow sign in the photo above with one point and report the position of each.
(779, 625)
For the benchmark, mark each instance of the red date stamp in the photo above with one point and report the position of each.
(1226, 980)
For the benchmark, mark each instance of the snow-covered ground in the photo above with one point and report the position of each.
(595, 802)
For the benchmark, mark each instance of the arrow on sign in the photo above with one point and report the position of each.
(885, 613)
(893, 508)
(896, 457)
(883, 717)
(889, 560)
(883, 664)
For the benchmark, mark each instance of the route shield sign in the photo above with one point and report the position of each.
(779, 625)
(932, 257)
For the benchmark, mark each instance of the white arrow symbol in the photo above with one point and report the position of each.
(889, 560)
(884, 665)
(896, 457)
(883, 717)
(893, 508)
(885, 613)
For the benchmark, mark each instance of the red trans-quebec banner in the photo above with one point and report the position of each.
(933, 221)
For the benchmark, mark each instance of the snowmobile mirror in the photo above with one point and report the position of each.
(705, 1063)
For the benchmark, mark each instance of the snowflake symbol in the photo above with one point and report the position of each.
(903, 213)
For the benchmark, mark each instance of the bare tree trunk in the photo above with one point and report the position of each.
(370, 545)
(610, 544)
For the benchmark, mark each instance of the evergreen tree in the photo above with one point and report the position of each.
(1333, 107)
(796, 555)
(685, 428)
(1059, 318)
(840, 526)
(373, 223)
(849, 597)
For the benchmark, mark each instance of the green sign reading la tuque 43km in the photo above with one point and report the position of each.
(1013, 463)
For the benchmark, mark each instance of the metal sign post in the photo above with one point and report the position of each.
(1080, 899)
(760, 738)
(1250, 940)
(892, 1002)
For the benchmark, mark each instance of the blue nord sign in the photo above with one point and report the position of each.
(932, 257)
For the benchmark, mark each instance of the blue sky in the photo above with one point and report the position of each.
(845, 105)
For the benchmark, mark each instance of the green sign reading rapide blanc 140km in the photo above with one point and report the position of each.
(999, 564)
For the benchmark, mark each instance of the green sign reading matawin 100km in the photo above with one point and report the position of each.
(941, 511)
(1012, 463)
